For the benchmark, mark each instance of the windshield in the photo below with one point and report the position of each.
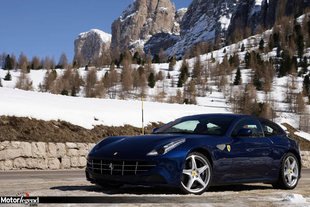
(205, 125)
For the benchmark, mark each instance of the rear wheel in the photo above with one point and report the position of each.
(197, 174)
(289, 173)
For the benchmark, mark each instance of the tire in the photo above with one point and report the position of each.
(196, 174)
(289, 173)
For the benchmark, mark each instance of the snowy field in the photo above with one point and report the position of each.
(87, 112)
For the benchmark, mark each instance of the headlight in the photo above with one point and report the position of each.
(166, 148)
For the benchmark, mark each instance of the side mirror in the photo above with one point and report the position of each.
(154, 130)
(245, 132)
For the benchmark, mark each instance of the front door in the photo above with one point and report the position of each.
(250, 153)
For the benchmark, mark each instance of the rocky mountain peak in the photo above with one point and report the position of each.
(141, 20)
(89, 46)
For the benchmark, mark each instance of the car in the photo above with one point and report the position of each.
(195, 152)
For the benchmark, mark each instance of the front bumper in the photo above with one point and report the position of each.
(149, 172)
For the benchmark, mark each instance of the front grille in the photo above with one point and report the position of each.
(116, 167)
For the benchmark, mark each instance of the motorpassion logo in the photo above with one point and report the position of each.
(20, 199)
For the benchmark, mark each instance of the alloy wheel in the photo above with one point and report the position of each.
(196, 174)
(291, 171)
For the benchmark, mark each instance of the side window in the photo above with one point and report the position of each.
(187, 126)
(250, 124)
(271, 129)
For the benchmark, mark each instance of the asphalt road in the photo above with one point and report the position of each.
(73, 183)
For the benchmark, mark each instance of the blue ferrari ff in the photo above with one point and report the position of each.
(199, 151)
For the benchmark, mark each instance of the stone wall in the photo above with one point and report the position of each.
(39, 155)
(305, 157)
(54, 156)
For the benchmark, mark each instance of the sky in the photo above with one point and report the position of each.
(49, 27)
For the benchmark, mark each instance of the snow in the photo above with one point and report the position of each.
(303, 135)
(182, 10)
(127, 17)
(295, 198)
(163, 9)
(258, 2)
(225, 21)
(88, 112)
(105, 37)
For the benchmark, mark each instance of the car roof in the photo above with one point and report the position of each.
(218, 115)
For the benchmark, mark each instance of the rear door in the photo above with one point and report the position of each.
(251, 155)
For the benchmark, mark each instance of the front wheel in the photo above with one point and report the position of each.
(197, 174)
(289, 174)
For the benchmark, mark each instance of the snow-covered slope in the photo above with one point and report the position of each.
(105, 37)
(88, 112)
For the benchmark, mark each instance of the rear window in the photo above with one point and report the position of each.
(270, 128)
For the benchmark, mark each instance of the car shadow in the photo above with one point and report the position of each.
(142, 190)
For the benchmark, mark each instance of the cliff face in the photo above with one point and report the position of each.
(204, 20)
(141, 20)
(154, 24)
(254, 14)
(88, 46)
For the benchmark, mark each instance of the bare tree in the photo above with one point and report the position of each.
(90, 83)
(35, 63)
(190, 92)
(50, 77)
(178, 98)
(24, 82)
(48, 63)
(23, 62)
(126, 79)
(114, 78)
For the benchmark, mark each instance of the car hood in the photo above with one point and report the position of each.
(132, 146)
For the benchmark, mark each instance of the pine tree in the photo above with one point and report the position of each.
(242, 47)
(306, 85)
(184, 74)
(172, 63)
(137, 58)
(8, 76)
(299, 40)
(9, 63)
(247, 59)
(151, 80)
(155, 59)
(238, 80)
(285, 64)
(261, 45)
(197, 70)
(304, 65)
